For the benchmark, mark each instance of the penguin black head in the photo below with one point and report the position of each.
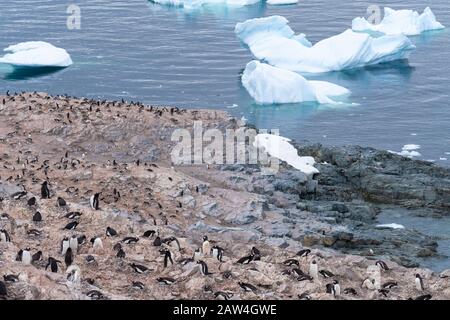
(418, 276)
(205, 238)
(314, 262)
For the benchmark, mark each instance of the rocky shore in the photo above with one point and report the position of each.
(122, 149)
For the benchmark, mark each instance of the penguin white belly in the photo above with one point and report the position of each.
(73, 244)
(215, 253)
(65, 246)
(313, 271)
(337, 290)
(206, 248)
(197, 255)
(26, 257)
(98, 244)
(418, 284)
(2, 237)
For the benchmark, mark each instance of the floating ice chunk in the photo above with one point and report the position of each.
(268, 85)
(407, 22)
(281, 2)
(199, 3)
(443, 159)
(272, 40)
(409, 151)
(36, 54)
(280, 148)
(390, 226)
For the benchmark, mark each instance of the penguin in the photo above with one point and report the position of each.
(110, 232)
(138, 285)
(166, 280)
(298, 271)
(19, 195)
(10, 278)
(197, 254)
(120, 254)
(313, 270)
(304, 296)
(185, 261)
(246, 259)
(138, 268)
(382, 265)
(25, 256)
(336, 288)
(97, 243)
(167, 257)
(247, 287)
(53, 264)
(304, 277)
(32, 201)
(303, 253)
(221, 295)
(206, 246)
(424, 297)
(291, 262)
(351, 291)
(37, 217)
(61, 202)
(36, 257)
(45, 192)
(68, 259)
(171, 240)
(389, 285)
(65, 244)
(256, 254)
(95, 201)
(383, 292)
(4, 236)
(369, 284)
(203, 267)
(157, 242)
(81, 240)
(149, 233)
(326, 274)
(90, 259)
(73, 244)
(419, 282)
(95, 295)
(73, 215)
(3, 291)
(73, 273)
(217, 252)
(71, 225)
(117, 246)
(130, 240)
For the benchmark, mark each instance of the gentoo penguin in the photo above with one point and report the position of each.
(25, 256)
(304, 296)
(171, 240)
(167, 257)
(297, 271)
(350, 291)
(419, 282)
(68, 258)
(120, 254)
(45, 192)
(138, 285)
(53, 264)
(382, 265)
(303, 253)
(97, 243)
(247, 287)
(71, 225)
(291, 262)
(256, 254)
(313, 270)
(110, 232)
(149, 233)
(95, 201)
(10, 278)
(203, 267)
(197, 254)
(185, 261)
(36, 257)
(157, 242)
(389, 285)
(61, 202)
(95, 295)
(73, 215)
(336, 288)
(246, 260)
(369, 284)
(221, 295)
(138, 268)
(117, 246)
(37, 217)
(32, 201)
(65, 244)
(326, 273)
(130, 240)
(383, 292)
(217, 252)
(90, 259)
(424, 297)
(19, 195)
(4, 236)
(73, 273)
(81, 240)
(3, 291)
(166, 280)
(73, 244)
(206, 246)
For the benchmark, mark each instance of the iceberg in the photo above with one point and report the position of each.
(280, 148)
(271, 39)
(390, 226)
(268, 85)
(409, 151)
(406, 22)
(199, 3)
(281, 2)
(36, 54)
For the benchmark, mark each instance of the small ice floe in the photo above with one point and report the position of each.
(447, 153)
(406, 22)
(36, 54)
(270, 39)
(414, 134)
(269, 85)
(443, 159)
(390, 226)
(281, 2)
(280, 148)
(234, 105)
(198, 3)
(409, 151)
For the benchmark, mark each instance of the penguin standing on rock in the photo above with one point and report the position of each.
(73, 244)
(36, 257)
(313, 270)
(97, 243)
(24, 256)
(167, 257)
(45, 192)
(203, 267)
(65, 244)
(206, 246)
(61, 202)
(382, 265)
(419, 282)
(68, 259)
(110, 232)
(334, 288)
(53, 264)
(217, 252)
(95, 201)
(4, 236)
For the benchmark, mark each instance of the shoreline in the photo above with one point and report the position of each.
(332, 214)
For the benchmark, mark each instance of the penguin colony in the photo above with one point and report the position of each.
(102, 227)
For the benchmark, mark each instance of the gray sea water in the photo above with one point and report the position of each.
(138, 50)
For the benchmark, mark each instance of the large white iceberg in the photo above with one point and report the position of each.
(268, 85)
(271, 39)
(407, 22)
(199, 3)
(280, 148)
(36, 54)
